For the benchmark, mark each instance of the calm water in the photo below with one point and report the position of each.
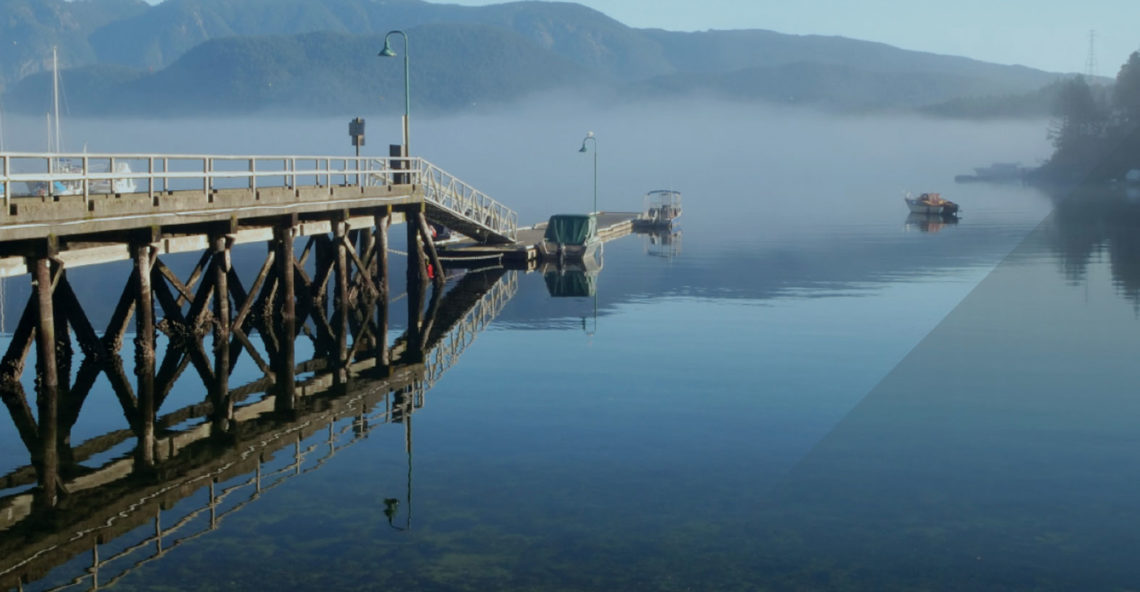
(803, 390)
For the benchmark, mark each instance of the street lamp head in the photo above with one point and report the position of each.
(387, 51)
(589, 136)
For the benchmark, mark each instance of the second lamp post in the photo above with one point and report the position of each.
(590, 136)
(388, 53)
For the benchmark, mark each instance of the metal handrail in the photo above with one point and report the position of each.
(463, 200)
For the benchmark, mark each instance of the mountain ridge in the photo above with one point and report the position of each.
(189, 44)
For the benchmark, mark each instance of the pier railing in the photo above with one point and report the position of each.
(49, 176)
(31, 174)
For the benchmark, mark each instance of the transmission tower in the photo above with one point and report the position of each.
(1090, 63)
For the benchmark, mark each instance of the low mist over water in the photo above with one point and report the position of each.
(526, 155)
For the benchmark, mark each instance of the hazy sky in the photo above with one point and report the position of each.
(1048, 34)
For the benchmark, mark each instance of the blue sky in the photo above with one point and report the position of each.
(1047, 34)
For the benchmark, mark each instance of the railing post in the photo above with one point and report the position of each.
(150, 178)
(86, 180)
(50, 180)
(7, 185)
(253, 176)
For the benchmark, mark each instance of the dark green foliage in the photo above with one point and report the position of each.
(1127, 91)
(1097, 136)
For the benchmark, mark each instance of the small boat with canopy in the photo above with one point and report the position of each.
(570, 236)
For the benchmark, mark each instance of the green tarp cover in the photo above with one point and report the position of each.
(571, 229)
(570, 284)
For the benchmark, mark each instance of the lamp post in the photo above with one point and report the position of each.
(590, 136)
(387, 52)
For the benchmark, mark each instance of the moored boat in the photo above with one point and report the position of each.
(931, 204)
(662, 208)
(569, 237)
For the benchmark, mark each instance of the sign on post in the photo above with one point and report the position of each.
(356, 132)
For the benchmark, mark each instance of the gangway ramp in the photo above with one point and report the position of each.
(456, 205)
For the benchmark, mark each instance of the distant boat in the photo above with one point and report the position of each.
(662, 207)
(998, 172)
(931, 204)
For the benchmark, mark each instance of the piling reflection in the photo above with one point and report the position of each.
(239, 440)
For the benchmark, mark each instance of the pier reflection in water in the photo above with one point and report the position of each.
(238, 441)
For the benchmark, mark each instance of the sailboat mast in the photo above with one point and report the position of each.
(55, 95)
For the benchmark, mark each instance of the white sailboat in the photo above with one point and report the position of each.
(63, 165)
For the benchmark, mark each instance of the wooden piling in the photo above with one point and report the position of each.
(380, 263)
(417, 270)
(47, 396)
(223, 404)
(286, 384)
(144, 354)
(340, 228)
(429, 246)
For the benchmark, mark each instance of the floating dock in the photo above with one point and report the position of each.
(523, 254)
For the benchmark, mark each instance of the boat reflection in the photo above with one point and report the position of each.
(172, 477)
(929, 222)
(578, 279)
(665, 243)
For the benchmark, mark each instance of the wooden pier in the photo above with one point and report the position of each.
(62, 211)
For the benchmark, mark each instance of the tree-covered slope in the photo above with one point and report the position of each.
(454, 66)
